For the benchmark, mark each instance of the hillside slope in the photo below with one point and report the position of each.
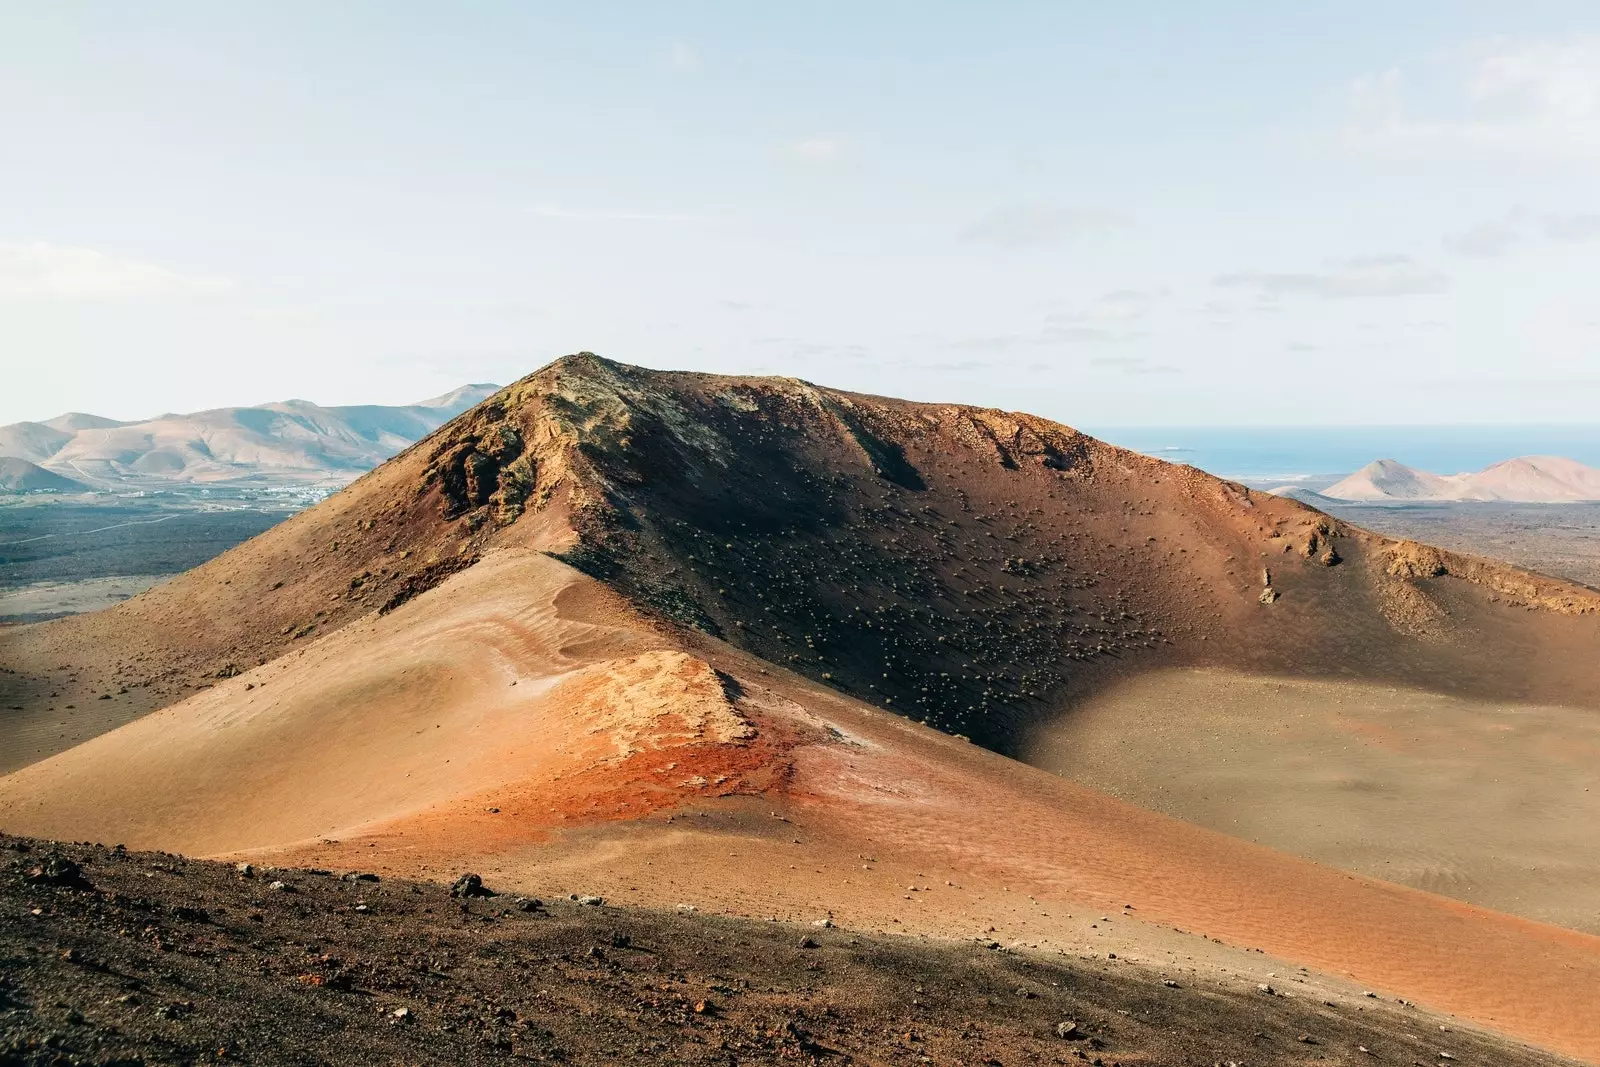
(584, 984)
(524, 721)
(966, 567)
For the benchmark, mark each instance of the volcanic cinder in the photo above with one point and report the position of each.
(766, 648)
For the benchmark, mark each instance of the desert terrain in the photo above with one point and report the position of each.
(768, 650)
(1492, 802)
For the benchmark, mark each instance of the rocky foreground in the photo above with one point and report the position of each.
(115, 957)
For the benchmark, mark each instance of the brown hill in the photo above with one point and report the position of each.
(20, 476)
(670, 612)
(965, 566)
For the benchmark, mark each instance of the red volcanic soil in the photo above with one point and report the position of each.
(688, 639)
(404, 741)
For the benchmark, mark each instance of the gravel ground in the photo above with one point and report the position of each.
(113, 957)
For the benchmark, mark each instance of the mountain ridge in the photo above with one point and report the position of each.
(1524, 479)
(283, 442)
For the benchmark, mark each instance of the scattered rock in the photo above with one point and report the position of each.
(1070, 1031)
(57, 870)
(470, 885)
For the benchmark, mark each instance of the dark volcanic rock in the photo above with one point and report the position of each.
(470, 885)
(55, 869)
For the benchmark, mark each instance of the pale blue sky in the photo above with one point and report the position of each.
(1218, 213)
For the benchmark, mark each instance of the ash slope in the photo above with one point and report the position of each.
(969, 568)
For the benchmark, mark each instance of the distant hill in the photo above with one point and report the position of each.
(20, 476)
(32, 441)
(1304, 495)
(295, 441)
(73, 421)
(1527, 479)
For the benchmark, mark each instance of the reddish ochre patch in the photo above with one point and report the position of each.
(649, 733)
(643, 784)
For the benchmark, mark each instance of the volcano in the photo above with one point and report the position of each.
(763, 647)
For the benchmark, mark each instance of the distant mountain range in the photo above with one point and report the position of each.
(20, 476)
(1527, 479)
(294, 442)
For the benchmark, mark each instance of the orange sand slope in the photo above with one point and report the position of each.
(520, 710)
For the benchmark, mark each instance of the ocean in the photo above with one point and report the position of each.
(1317, 456)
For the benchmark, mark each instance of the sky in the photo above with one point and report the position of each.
(1155, 213)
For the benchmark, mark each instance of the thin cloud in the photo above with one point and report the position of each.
(1133, 365)
(1371, 276)
(1537, 98)
(41, 270)
(1116, 306)
(1032, 224)
(1051, 335)
(1498, 237)
(946, 368)
(1572, 228)
(1487, 240)
(556, 211)
(681, 57)
(815, 149)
